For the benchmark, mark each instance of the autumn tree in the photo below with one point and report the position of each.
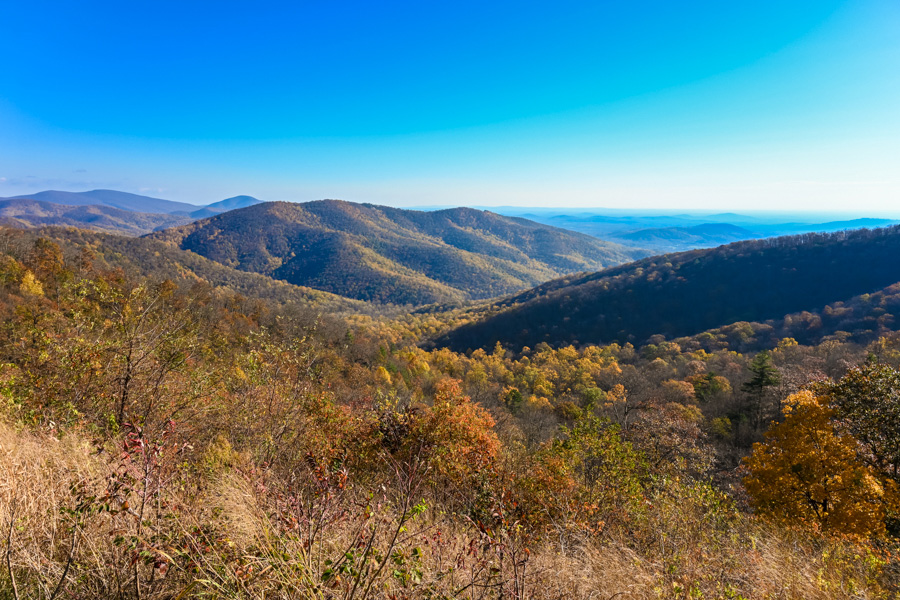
(606, 466)
(670, 437)
(151, 338)
(710, 386)
(866, 403)
(807, 471)
(47, 262)
(453, 438)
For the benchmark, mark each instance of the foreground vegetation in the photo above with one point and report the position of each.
(164, 439)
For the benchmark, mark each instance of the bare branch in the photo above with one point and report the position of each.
(62, 579)
(12, 576)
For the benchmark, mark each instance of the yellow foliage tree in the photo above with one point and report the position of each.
(806, 471)
(382, 377)
(31, 285)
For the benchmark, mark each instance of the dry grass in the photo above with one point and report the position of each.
(38, 475)
(243, 547)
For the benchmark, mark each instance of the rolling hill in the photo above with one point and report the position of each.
(108, 211)
(144, 257)
(674, 239)
(861, 319)
(26, 213)
(690, 292)
(391, 255)
(687, 230)
(112, 198)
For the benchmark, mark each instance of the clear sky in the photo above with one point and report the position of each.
(770, 104)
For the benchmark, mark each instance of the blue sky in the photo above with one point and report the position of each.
(769, 105)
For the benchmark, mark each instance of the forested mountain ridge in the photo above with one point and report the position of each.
(28, 213)
(859, 320)
(109, 211)
(113, 198)
(155, 260)
(687, 293)
(391, 255)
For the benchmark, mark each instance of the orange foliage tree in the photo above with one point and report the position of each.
(806, 471)
(453, 438)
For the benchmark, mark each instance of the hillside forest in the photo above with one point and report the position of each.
(175, 424)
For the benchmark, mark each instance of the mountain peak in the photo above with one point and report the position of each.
(225, 205)
(392, 255)
(235, 202)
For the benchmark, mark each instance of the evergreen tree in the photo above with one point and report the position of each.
(764, 376)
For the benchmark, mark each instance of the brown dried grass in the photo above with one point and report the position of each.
(674, 553)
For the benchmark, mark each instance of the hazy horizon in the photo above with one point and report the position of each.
(724, 216)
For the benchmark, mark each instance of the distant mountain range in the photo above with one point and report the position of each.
(687, 231)
(408, 257)
(674, 239)
(687, 293)
(390, 255)
(655, 233)
(115, 199)
(108, 210)
(26, 213)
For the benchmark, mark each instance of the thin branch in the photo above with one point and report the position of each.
(12, 522)
(68, 563)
